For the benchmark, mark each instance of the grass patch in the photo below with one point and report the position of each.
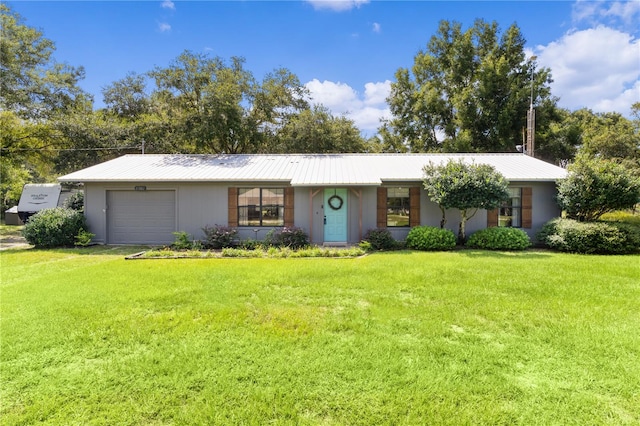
(466, 337)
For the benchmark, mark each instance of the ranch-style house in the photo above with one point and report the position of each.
(335, 198)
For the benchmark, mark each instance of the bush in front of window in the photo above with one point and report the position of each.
(498, 238)
(218, 236)
(590, 237)
(55, 227)
(430, 238)
(292, 237)
(380, 239)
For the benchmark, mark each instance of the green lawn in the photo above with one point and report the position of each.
(467, 337)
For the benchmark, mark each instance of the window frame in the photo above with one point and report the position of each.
(405, 204)
(260, 207)
(509, 211)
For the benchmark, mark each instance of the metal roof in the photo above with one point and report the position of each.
(302, 169)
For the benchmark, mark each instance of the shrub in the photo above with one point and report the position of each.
(75, 201)
(624, 216)
(250, 244)
(293, 237)
(182, 241)
(430, 238)
(594, 187)
(365, 245)
(55, 227)
(498, 238)
(590, 237)
(218, 236)
(380, 239)
(84, 238)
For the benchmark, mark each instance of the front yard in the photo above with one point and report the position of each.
(464, 337)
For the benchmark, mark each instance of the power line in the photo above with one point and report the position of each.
(70, 149)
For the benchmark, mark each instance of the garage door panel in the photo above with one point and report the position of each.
(141, 217)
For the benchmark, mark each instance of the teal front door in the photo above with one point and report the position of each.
(335, 215)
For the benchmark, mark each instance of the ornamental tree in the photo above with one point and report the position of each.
(596, 186)
(466, 187)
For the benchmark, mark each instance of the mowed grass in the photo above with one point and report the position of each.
(466, 337)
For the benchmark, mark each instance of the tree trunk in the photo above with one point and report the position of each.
(443, 221)
(461, 228)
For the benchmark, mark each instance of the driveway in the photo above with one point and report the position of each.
(13, 239)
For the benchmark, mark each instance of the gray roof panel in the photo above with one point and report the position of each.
(301, 169)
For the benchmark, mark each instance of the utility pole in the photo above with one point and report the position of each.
(531, 116)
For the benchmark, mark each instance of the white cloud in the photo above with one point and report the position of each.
(337, 5)
(377, 93)
(332, 95)
(168, 4)
(597, 68)
(376, 27)
(612, 13)
(365, 109)
(164, 27)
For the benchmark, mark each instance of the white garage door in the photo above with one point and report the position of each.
(141, 217)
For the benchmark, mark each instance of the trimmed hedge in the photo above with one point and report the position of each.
(55, 227)
(499, 238)
(590, 237)
(430, 238)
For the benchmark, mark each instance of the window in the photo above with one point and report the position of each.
(510, 213)
(398, 207)
(261, 207)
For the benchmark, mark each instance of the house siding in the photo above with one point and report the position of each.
(199, 204)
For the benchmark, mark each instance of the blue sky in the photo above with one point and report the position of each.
(346, 52)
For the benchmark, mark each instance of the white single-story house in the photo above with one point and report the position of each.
(335, 198)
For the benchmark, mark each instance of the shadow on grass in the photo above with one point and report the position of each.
(535, 253)
(95, 250)
(524, 254)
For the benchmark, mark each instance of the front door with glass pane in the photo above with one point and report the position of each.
(335, 215)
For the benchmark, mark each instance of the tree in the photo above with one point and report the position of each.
(558, 142)
(316, 130)
(215, 107)
(32, 85)
(467, 187)
(127, 97)
(34, 92)
(610, 136)
(88, 137)
(468, 91)
(596, 186)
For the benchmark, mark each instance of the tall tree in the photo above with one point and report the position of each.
(558, 141)
(221, 108)
(468, 91)
(34, 91)
(316, 130)
(610, 136)
(32, 85)
(127, 97)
